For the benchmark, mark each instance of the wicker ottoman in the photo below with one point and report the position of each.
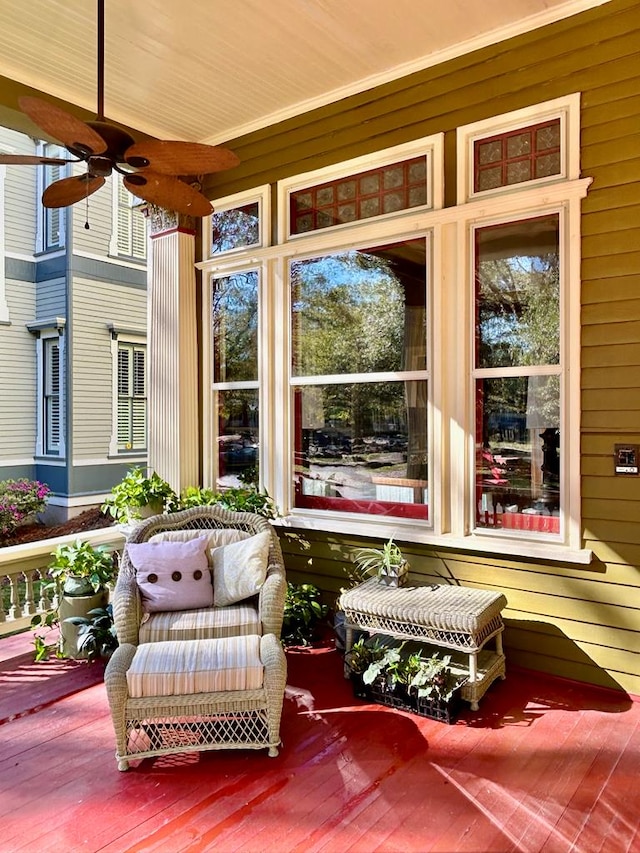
(452, 617)
(193, 695)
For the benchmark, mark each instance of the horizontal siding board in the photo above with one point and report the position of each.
(609, 399)
(622, 311)
(626, 376)
(610, 198)
(614, 355)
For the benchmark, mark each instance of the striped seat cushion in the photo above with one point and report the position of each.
(236, 620)
(195, 666)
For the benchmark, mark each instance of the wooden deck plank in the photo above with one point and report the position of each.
(543, 763)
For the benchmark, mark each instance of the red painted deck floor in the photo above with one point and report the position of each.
(544, 765)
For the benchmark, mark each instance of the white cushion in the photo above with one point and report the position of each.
(215, 537)
(240, 569)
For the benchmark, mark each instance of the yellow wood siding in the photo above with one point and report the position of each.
(577, 621)
(17, 386)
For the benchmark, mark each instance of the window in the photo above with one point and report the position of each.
(51, 221)
(52, 403)
(130, 227)
(517, 375)
(235, 328)
(129, 354)
(132, 397)
(359, 380)
(414, 365)
(238, 223)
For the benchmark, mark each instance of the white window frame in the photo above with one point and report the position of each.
(117, 232)
(261, 195)
(567, 109)
(452, 318)
(432, 147)
(126, 337)
(43, 214)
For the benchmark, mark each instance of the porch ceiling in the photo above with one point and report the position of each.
(211, 71)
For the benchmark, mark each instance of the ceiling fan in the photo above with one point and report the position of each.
(150, 169)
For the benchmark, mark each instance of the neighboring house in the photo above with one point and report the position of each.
(72, 334)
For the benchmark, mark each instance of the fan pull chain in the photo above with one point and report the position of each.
(86, 223)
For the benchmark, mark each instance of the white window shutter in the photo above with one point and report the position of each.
(52, 395)
(132, 400)
(138, 235)
(125, 214)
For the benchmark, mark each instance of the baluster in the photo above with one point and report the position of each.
(14, 603)
(3, 615)
(29, 604)
(44, 603)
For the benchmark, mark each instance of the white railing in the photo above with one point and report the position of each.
(21, 566)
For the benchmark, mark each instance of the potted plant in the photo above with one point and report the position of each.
(303, 613)
(239, 499)
(96, 633)
(388, 564)
(139, 496)
(384, 672)
(83, 572)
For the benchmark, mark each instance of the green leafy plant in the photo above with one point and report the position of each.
(303, 613)
(238, 499)
(362, 654)
(434, 678)
(44, 624)
(424, 677)
(387, 562)
(96, 633)
(137, 490)
(20, 499)
(82, 560)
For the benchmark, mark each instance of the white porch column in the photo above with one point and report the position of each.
(172, 349)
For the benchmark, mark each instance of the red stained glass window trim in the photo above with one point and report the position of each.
(387, 189)
(525, 154)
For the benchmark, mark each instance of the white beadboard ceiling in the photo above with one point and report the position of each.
(211, 70)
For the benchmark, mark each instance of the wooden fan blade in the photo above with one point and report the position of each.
(73, 133)
(180, 158)
(70, 190)
(30, 160)
(168, 192)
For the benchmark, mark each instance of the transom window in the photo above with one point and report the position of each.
(521, 155)
(387, 189)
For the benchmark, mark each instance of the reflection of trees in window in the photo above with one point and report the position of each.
(357, 312)
(235, 228)
(235, 327)
(518, 294)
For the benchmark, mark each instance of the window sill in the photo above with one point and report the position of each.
(508, 547)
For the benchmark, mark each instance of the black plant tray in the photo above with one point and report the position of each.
(433, 709)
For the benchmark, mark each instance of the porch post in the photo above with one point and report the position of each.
(172, 349)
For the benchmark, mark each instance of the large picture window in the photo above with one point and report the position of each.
(403, 369)
(359, 379)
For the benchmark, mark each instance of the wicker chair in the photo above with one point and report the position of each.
(269, 604)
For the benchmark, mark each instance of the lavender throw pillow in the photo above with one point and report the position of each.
(172, 575)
